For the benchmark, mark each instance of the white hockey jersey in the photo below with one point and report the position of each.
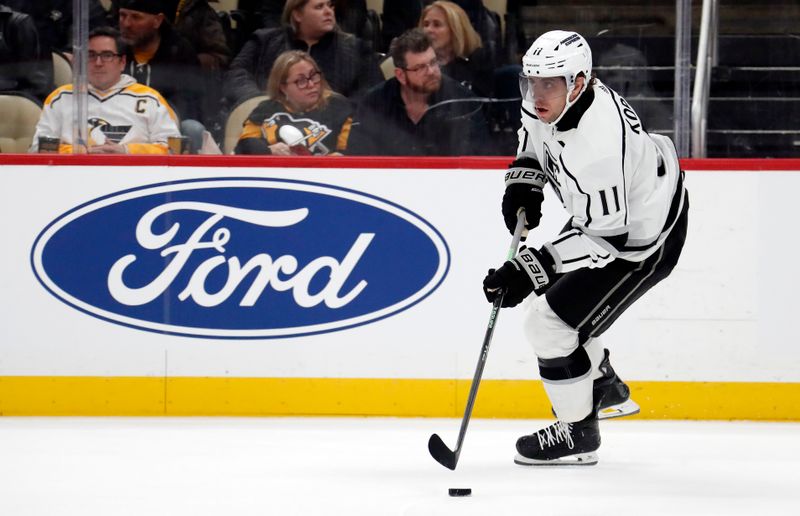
(622, 186)
(128, 113)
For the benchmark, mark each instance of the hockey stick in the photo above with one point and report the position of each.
(436, 446)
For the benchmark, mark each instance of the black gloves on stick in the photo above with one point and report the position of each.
(524, 183)
(529, 271)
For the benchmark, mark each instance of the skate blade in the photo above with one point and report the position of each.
(579, 459)
(626, 408)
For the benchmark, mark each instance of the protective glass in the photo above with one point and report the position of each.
(542, 88)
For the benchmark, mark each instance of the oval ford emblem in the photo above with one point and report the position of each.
(240, 258)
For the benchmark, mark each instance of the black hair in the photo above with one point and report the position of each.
(110, 32)
(412, 40)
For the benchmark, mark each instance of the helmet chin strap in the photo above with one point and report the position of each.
(568, 103)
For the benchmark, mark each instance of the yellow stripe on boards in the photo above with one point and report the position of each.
(199, 396)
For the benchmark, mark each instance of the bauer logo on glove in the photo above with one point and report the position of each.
(528, 272)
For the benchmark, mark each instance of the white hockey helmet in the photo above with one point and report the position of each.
(557, 53)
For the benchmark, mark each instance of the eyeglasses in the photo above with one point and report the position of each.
(105, 57)
(433, 65)
(303, 82)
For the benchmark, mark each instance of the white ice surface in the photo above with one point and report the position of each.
(355, 466)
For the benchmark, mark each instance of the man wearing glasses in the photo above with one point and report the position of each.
(419, 112)
(124, 117)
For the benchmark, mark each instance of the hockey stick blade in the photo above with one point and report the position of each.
(441, 452)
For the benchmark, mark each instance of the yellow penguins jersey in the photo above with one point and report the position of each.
(319, 132)
(622, 186)
(128, 113)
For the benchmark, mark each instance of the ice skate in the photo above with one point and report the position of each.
(561, 444)
(612, 396)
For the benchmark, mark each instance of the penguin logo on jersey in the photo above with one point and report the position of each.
(301, 134)
(100, 131)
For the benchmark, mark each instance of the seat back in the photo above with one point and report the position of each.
(236, 119)
(18, 123)
(375, 5)
(387, 67)
(224, 5)
(62, 69)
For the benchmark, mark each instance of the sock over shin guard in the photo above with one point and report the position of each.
(568, 383)
(594, 348)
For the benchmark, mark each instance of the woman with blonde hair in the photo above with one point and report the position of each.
(458, 46)
(303, 116)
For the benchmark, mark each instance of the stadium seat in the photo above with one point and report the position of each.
(387, 67)
(235, 121)
(375, 5)
(224, 5)
(62, 69)
(18, 123)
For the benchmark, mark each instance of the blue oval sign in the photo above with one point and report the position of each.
(240, 258)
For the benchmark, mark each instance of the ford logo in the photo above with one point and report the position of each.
(240, 258)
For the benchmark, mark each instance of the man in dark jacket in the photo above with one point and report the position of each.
(20, 66)
(160, 58)
(419, 112)
(199, 23)
(349, 66)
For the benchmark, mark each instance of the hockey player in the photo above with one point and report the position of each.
(124, 117)
(623, 189)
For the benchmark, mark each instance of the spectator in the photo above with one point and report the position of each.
(124, 117)
(20, 65)
(458, 47)
(419, 111)
(198, 23)
(351, 15)
(303, 115)
(160, 58)
(401, 15)
(309, 25)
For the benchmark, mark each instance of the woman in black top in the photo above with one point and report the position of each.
(458, 46)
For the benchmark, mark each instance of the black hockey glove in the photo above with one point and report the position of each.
(529, 271)
(524, 183)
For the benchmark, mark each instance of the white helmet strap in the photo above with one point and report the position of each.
(568, 104)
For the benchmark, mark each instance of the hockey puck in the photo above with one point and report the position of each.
(459, 491)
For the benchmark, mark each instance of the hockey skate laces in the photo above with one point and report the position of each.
(555, 434)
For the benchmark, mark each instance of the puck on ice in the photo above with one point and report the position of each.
(459, 491)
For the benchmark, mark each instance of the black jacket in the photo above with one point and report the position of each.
(348, 64)
(448, 128)
(175, 72)
(474, 73)
(20, 66)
